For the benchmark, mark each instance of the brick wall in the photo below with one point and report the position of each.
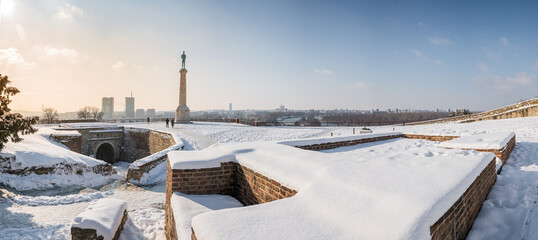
(331, 145)
(246, 185)
(458, 220)
(74, 143)
(254, 188)
(170, 223)
(503, 153)
(430, 138)
(218, 180)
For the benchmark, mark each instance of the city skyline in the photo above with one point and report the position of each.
(308, 55)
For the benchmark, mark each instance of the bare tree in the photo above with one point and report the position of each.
(50, 115)
(89, 112)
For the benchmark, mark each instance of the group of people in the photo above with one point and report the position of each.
(170, 121)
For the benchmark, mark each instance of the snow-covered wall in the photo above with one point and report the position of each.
(158, 145)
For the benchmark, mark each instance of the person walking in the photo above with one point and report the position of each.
(148, 120)
(172, 123)
(167, 121)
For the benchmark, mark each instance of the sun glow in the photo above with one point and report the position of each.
(6, 7)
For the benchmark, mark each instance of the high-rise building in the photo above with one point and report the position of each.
(139, 113)
(129, 107)
(230, 107)
(108, 108)
(150, 112)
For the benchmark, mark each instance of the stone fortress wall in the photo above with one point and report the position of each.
(528, 108)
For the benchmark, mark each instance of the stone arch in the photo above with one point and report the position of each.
(105, 152)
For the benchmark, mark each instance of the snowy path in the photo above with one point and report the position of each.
(38, 219)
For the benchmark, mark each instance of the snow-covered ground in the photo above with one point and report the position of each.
(510, 212)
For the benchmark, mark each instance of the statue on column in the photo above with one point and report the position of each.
(183, 57)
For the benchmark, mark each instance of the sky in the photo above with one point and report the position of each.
(67, 54)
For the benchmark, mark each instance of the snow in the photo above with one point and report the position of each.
(321, 140)
(34, 181)
(185, 207)
(153, 157)
(155, 175)
(57, 200)
(509, 212)
(38, 150)
(495, 140)
(104, 216)
(394, 189)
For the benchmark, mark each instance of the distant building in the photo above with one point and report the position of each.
(129, 107)
(150, 112)
(230, 107)
(108, 108)
(140, 113)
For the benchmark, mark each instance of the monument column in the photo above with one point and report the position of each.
(182, 111)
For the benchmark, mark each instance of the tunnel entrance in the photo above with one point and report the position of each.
(105, 152)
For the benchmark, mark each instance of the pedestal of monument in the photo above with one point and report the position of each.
(183, 113)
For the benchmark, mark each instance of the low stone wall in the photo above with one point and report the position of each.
(458, 220)
(74, 143)
(244, 184)
(156, 142)
(526, 108)
(331, 145)
(85, 234)
(430, 137)
(9, 165)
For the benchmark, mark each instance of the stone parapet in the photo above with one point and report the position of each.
(331, 145)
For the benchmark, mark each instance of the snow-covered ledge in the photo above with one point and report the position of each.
(407, 193)
(103, 219)
(324, 143)
(141, 166)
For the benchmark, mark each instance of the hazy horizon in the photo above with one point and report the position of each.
(258, 55)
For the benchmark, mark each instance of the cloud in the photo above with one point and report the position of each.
(491, 54)
(417, 53)
(119, 65)
(437, 61)
(504, 41)
(323, 71)
(48, 53)
(440, 41)
(484, 67)
(361, 85)
(522, 79)
(68, 11)
(10, 56)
